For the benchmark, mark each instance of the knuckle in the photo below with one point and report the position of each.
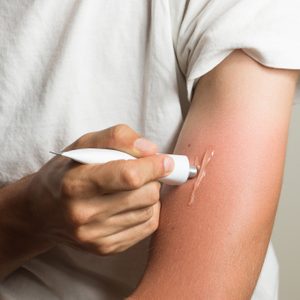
(131, 178)
(83, 140)
(77, 215)
(105, 248)
(81, 235)
(117, 132)
(67, 187)
(71, 187)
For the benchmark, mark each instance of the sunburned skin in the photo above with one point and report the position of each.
(209, 153)
(215, 249)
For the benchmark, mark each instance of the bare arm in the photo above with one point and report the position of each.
(214, 249)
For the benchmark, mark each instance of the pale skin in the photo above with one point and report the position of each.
(215, 248)
(102, 209)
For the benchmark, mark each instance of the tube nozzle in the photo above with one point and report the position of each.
(193, 172)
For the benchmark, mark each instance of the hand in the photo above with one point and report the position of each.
(105, 208)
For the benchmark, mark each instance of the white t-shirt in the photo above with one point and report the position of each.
(69, 67)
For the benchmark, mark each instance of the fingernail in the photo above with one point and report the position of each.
(168, 164)
(144, 145)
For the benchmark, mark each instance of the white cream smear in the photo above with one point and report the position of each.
(209, 153)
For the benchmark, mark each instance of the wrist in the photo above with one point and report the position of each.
(29, 225)
(20, 239)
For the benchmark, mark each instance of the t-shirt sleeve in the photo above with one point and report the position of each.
(266, 30)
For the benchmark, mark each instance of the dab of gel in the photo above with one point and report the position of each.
(209, 153)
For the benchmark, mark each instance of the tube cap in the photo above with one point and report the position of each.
(181, 171)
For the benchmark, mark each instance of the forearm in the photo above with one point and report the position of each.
(19, 240)
(214, 249)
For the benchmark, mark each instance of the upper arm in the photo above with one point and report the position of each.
(215, 247)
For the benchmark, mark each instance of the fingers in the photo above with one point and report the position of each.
(129, 174)
(120, 137)
(123, 240)
(117, 223)
(120, 202)
(100, 208)
(129, 219)
(119, 239)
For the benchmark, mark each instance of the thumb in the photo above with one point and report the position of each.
(119, 137)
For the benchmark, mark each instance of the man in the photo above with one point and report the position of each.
(71, 231)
